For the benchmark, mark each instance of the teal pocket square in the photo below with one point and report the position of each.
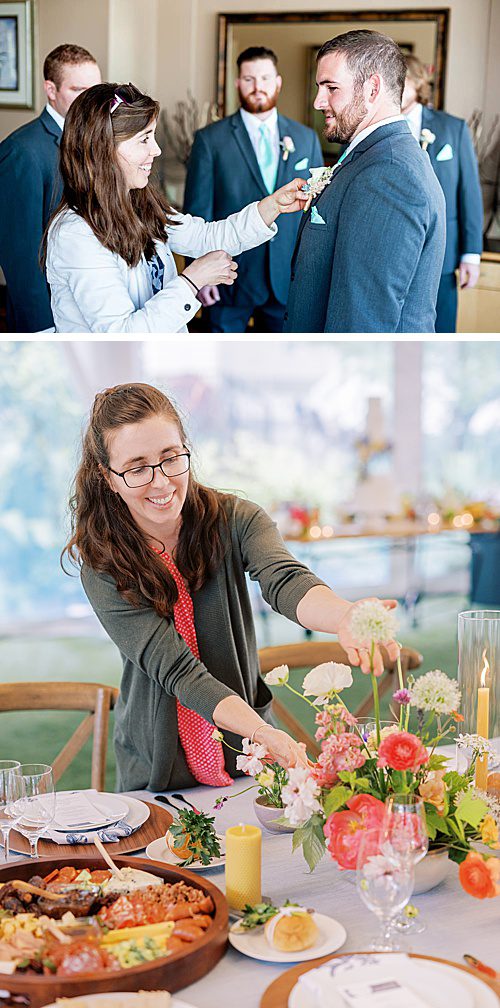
(316, 217)
(303, 163)
(445, 154)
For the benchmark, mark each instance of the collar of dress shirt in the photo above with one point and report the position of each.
(253, 123)
(414, 120)
(55, 115)
(371, 129)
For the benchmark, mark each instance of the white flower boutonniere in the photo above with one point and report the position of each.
(426, 137)
(320, 178)
(288, 147)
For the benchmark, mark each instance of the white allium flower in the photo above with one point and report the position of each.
(477, 743)
(277, 676)
(329, 677)
(372, 623)
(251, 759)
(300, 796)
(435, 691)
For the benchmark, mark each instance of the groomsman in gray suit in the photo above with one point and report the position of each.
(370, 249)
(448, 143)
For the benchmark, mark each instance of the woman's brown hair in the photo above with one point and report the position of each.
(125, 222)
(104, 534)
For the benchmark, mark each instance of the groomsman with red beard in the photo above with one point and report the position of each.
(236, 161)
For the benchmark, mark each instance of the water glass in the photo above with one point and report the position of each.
(384, 880)
(406, 828)
(10, 791)
(37, 805)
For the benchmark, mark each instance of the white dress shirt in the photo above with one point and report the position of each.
(253, 125)
(94, 290)
(414, 120)
(55, 115)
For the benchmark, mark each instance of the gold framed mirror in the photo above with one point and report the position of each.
(295, 38)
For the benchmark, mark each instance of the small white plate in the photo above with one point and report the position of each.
(126, 998)
(438, 984)
(157, 850)
(332, 937)
(110, 808)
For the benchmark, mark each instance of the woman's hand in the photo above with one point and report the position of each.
(212, 269)
(288, 199)
(359, 654)
(282, 748)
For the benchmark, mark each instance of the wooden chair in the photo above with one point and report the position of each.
(307, 654)
(94, 698)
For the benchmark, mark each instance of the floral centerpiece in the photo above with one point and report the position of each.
(334, 800)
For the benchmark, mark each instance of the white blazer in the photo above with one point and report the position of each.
(94, 290)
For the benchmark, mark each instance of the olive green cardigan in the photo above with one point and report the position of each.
(158, 666)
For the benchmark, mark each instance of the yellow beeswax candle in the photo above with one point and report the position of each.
(243, 860)
(483, 718)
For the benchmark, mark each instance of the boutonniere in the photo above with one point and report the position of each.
(287, 146)
(320, 178)
(426, 137)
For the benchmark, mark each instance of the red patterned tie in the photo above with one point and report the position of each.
(204, 755)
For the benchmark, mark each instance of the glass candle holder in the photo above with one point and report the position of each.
(479, 677)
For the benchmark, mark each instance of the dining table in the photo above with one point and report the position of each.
(455, 923)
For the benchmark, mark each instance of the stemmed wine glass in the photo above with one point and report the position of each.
(11, 785)
(38, 803)
(405, 824)
(384, 880)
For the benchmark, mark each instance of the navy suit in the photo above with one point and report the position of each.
(30, 188)
(370, 249)
(224, 176)
(458, 175)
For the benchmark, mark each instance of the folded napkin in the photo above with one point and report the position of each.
(108, 834)
(79, 818)
(326, 982)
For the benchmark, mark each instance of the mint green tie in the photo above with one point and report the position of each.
(266, 159)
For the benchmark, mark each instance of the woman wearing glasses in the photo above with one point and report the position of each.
(163, 561)
(109, 246)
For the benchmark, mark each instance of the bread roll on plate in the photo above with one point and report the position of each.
(292, 929)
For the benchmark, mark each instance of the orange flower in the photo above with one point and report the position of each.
(433, 788)
(478, 877)
(457, 716)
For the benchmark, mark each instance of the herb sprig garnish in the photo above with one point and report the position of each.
(202, 840)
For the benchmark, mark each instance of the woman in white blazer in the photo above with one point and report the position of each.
(109, 245)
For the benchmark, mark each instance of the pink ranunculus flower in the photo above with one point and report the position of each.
(343, 830)
(402, 751)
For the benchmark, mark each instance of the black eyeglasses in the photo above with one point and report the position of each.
(176, 465)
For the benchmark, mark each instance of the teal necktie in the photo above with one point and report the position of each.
(267, 163)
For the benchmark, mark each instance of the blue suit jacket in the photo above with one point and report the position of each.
(224, 176)
(374, 263)
(459, 178)
(30, 188)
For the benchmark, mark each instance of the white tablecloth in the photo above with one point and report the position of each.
(456, 923)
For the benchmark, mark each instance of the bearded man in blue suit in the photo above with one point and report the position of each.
(236, 161)
(448, 143)
(370, 249)
(30, 187)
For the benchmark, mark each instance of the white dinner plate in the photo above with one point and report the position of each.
(157, 850)
(137, 814)
(332, 937)
(126, 998)
(438, 984)
(110, 808)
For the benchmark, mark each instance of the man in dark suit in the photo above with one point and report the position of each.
(449, 146)
(30, 187)
(370, 249)
(236, 161)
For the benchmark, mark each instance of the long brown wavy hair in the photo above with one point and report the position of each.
(104, 534)
(125, 222)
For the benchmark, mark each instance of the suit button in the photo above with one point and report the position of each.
(187, 307)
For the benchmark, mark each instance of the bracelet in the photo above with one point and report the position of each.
(193, 285)
(257, 729)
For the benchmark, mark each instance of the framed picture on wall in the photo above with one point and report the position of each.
(16, 54)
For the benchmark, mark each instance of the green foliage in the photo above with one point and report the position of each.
(312, 839)
(336, 798)
(471, 810)
(203, 840)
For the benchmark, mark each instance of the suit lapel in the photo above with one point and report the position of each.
(244, 143)
(51, 126)
(283, 166)
(428, 122)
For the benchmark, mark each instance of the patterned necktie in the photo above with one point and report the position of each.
(267, 162)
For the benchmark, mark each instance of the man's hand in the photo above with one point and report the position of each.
(468, 274)
(208, 295)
